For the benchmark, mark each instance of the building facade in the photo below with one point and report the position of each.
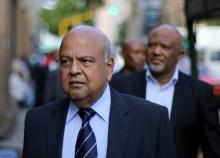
(16, 33)
(7, 46)
(173, 12)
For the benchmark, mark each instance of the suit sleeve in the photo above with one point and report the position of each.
(210, 128)
(165, 142)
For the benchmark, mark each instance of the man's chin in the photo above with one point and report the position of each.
(156, 69)
(76, 96)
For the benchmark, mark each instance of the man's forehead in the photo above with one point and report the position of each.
(82, 38)
(166, 30)
(81, 47)
(86, 31)
(164, 34)
(82, 34)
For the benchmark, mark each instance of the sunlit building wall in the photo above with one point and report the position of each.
(135, 21)
(6, 48)
(172, 12)
(18, 21)
(111, 16)
(27, 25)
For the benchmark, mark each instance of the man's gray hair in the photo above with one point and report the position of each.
(108, 48)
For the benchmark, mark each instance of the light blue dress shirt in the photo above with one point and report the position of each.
(162, 95)
(99, 124)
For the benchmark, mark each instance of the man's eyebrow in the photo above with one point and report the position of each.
(64, 56)
(90, 57)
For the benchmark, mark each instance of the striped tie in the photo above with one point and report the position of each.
(86, 143)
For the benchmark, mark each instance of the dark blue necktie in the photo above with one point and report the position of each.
(86, 146)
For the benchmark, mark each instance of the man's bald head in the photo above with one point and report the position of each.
(85, 65)
(134, 54)
(171, 31)
(93, 32)
(132, 40)
(163, 51)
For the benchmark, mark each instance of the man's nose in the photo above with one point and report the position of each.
(141, 55)
(75, 68)
(157, 50)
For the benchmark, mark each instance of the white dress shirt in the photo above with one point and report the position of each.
(99, 124)
(162, 95)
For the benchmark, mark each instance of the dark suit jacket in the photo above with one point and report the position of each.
(137, 129)
(194, 116)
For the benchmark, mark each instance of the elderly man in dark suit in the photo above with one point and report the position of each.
(94, 120)
(191, 104)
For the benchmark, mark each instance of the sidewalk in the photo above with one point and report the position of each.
(15, 140)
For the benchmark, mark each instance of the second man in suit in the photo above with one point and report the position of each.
(191, 105)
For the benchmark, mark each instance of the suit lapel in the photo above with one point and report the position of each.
(178, 101)
(55, 129)
(119, 127)
(139, 84)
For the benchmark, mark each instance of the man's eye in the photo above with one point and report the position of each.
(151, 45)
(65, 62)
(86, 62)
(165, 47)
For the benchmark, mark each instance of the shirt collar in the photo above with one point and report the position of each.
(101, 106)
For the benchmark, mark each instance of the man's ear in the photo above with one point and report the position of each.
(123, 54)
(181, 54)
(109, 68)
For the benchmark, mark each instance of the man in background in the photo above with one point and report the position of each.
(133, 51)
(190, 102)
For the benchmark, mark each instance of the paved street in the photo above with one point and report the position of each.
(15, 140)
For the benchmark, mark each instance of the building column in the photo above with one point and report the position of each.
(7, 48)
